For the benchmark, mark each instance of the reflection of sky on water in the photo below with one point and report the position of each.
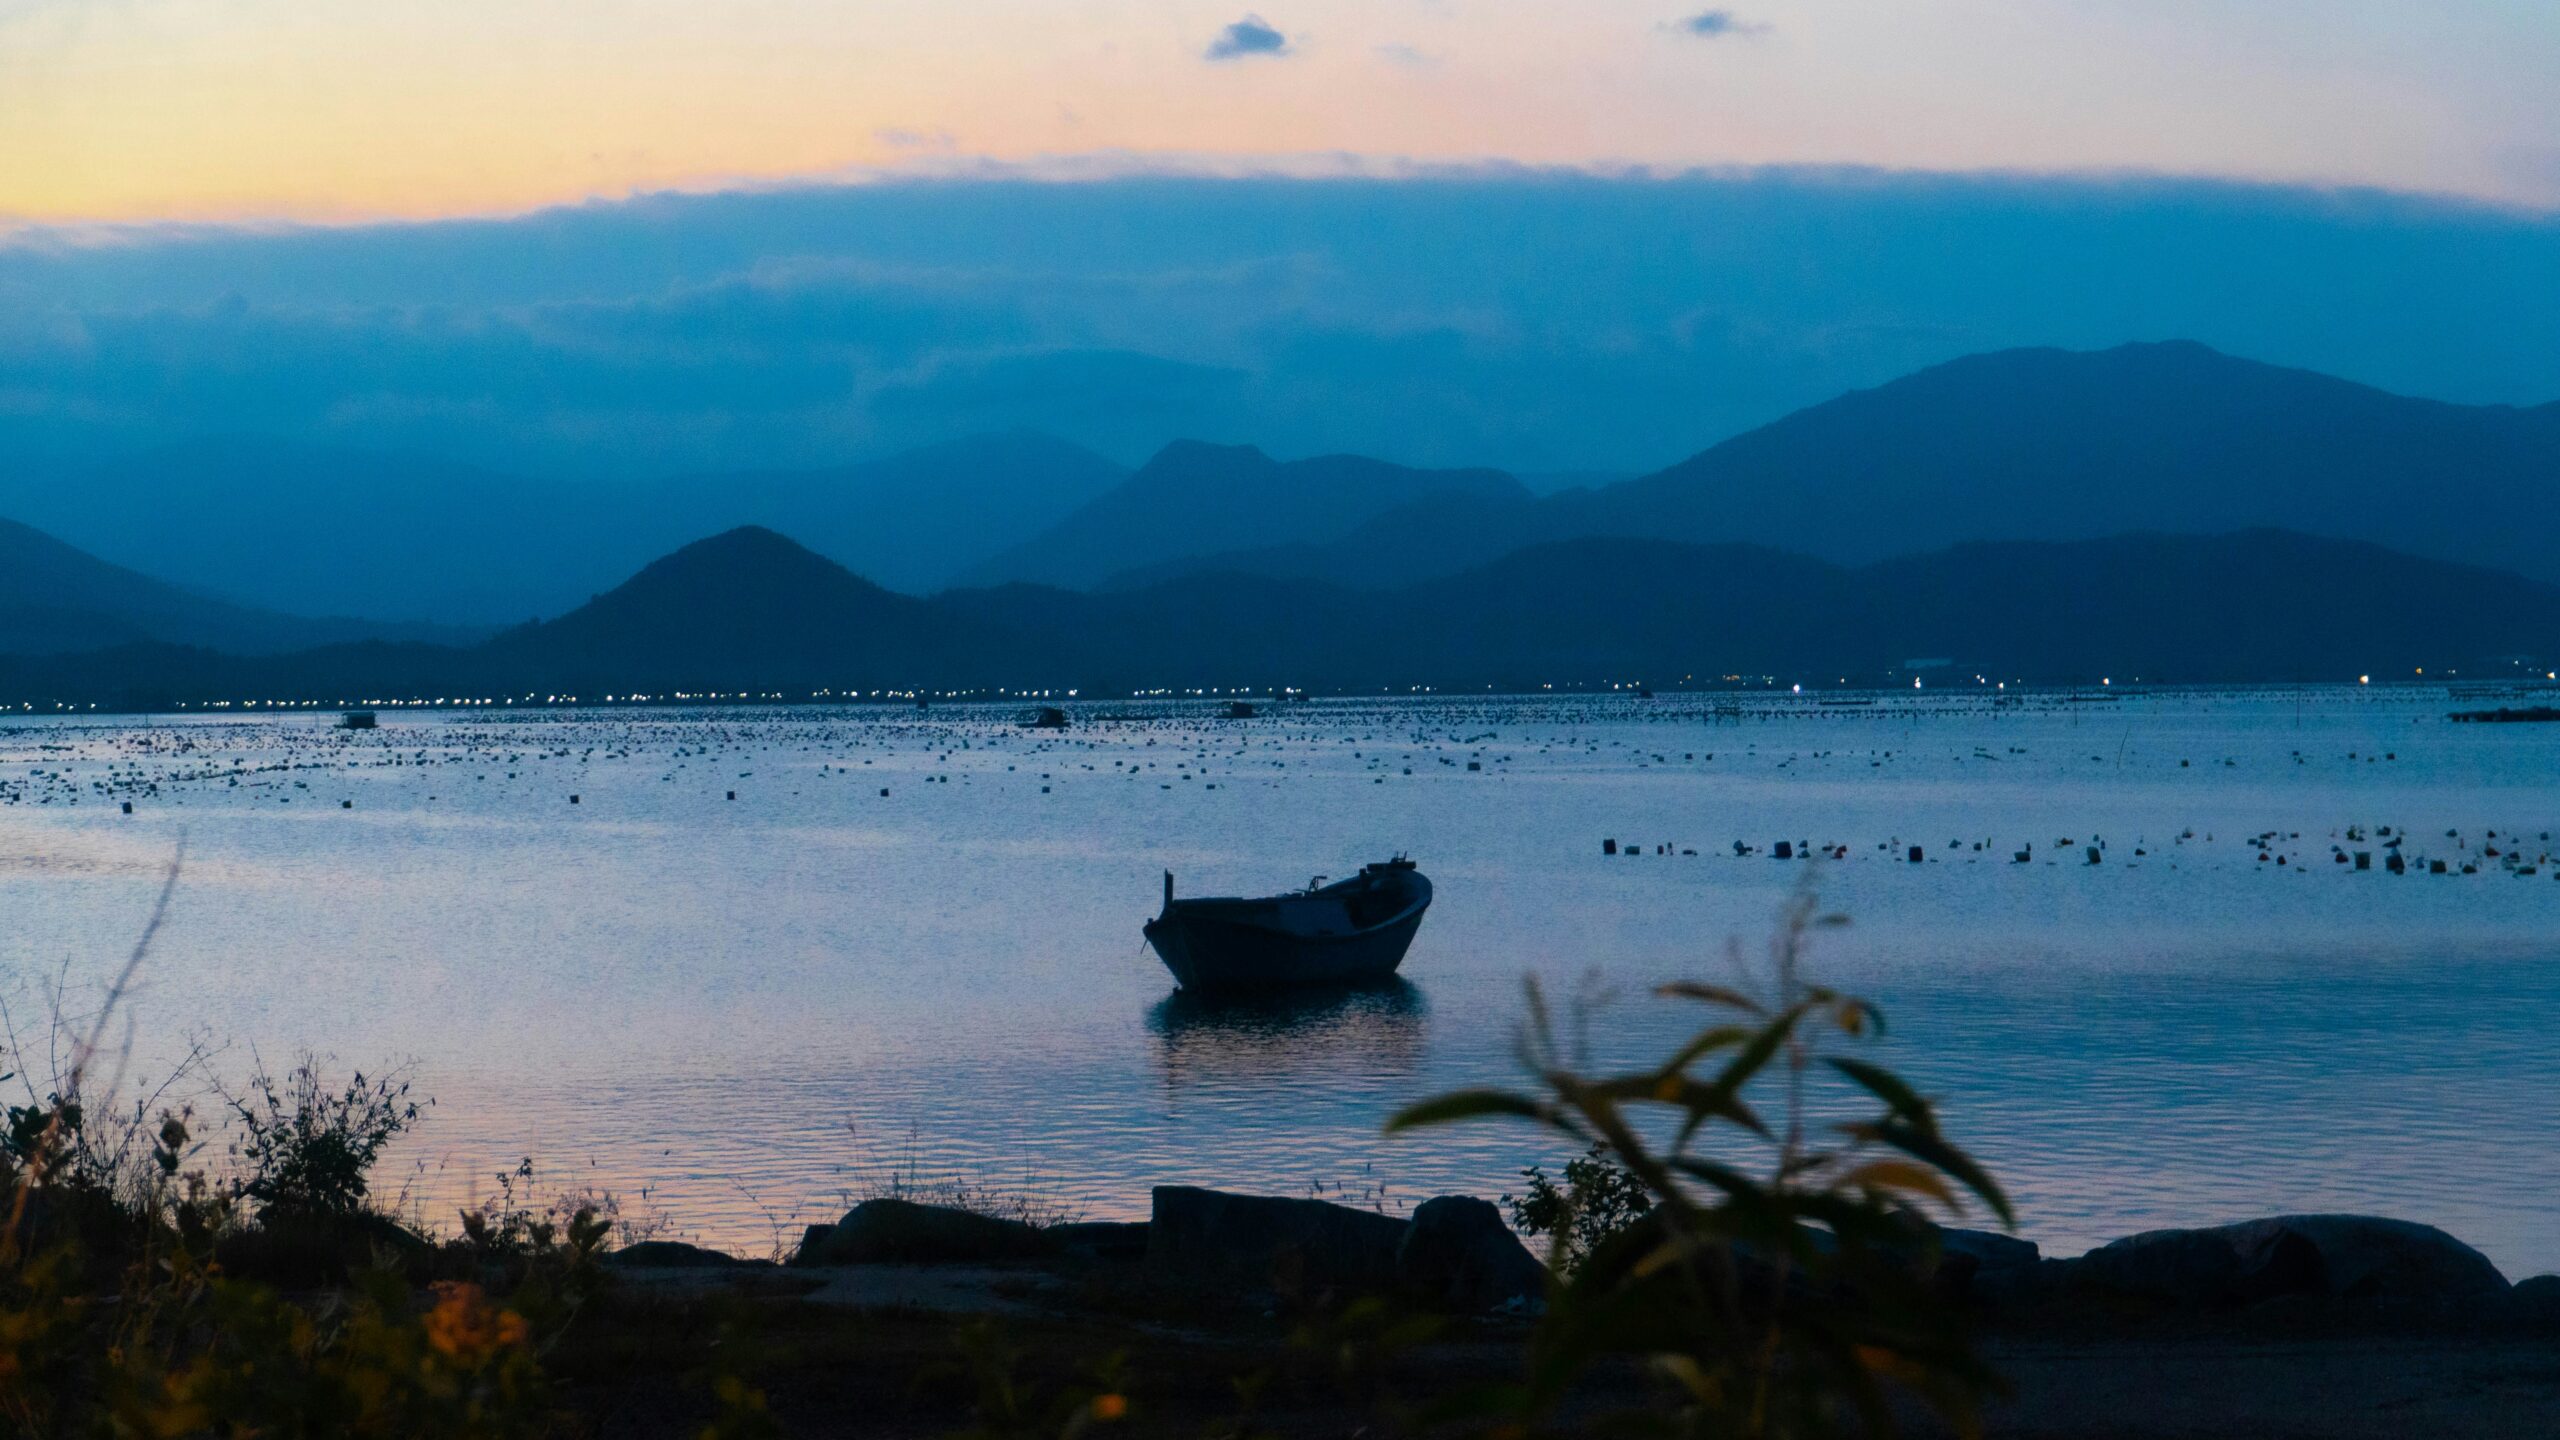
(744, 1006)
(1359, 1037)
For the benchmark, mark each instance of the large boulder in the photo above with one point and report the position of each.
(1985, 1264)
(2353, 1257)
(1102, 1239)
(673, 1255)
(1458, 1253)
(2536, 1300)
(902, 1232)
(1261, 1241)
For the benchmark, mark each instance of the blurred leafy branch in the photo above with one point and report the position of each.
(1787, 1297)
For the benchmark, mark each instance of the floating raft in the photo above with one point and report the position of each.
(2519, 715)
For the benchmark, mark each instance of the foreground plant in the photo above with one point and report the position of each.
(1779, 1275)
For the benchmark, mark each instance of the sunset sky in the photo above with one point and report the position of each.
(615, 237)
(143, 110)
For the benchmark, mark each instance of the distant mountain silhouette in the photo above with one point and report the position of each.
(745, 610)
(304, 529)
(2033, 445)
(2057, 445)
(55, 598)
(752, 611)
(1423, 539)
(1195, 499)
(917, 522)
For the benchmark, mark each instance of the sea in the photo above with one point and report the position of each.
(735, 967)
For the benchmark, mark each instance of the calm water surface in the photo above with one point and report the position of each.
(731, 1012)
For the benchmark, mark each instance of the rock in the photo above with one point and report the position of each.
(812, 1239)
(1458, 1253)
(1985, 1264)
(2394, 1259)
(1211, 1237)
(1102, 1240)
(878, 1232)
(2353, 1257)
(1987, 1249)
(673, 1255)
(2536, 1300)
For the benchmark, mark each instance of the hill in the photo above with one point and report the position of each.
(749, 610)
(918, 521)
(299, 528)
(752, 611)
(1196, 499)
(2056, 445)
(2033, 445)
(55, 598)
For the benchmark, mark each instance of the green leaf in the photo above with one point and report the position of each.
(1718, 1037)
(1471, 1105)
(1928, 1145)
(1885, 1086)
(1710, 994)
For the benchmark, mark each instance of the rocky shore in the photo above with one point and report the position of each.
(2305, 1325)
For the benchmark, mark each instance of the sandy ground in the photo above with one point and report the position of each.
(2347, 1387)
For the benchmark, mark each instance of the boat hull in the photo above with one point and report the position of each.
(1212, 948)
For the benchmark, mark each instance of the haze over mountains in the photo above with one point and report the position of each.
(2153, 509)
(1194, 499)
(404, 538)
(56, 599)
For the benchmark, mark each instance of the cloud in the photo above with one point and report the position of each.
(1246, 38)
(1715, 24)
(899, 137)
(1406, 56)
(1411, 317)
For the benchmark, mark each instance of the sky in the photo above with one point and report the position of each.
(612, 237)
(333, 110)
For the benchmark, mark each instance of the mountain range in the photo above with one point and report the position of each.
(56, 599)
(2154, 509)
(285, 527)
(751, 611)
(1194, 499)
(2030, 445)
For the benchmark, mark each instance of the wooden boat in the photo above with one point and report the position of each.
(1351, 932)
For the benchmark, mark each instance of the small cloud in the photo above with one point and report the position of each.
(1406, 56)
(1714, 24)
(1248, 37)
(900, 138)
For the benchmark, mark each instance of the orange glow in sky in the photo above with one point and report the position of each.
(321, 109)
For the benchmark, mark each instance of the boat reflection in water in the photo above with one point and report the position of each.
(1332, 1037)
